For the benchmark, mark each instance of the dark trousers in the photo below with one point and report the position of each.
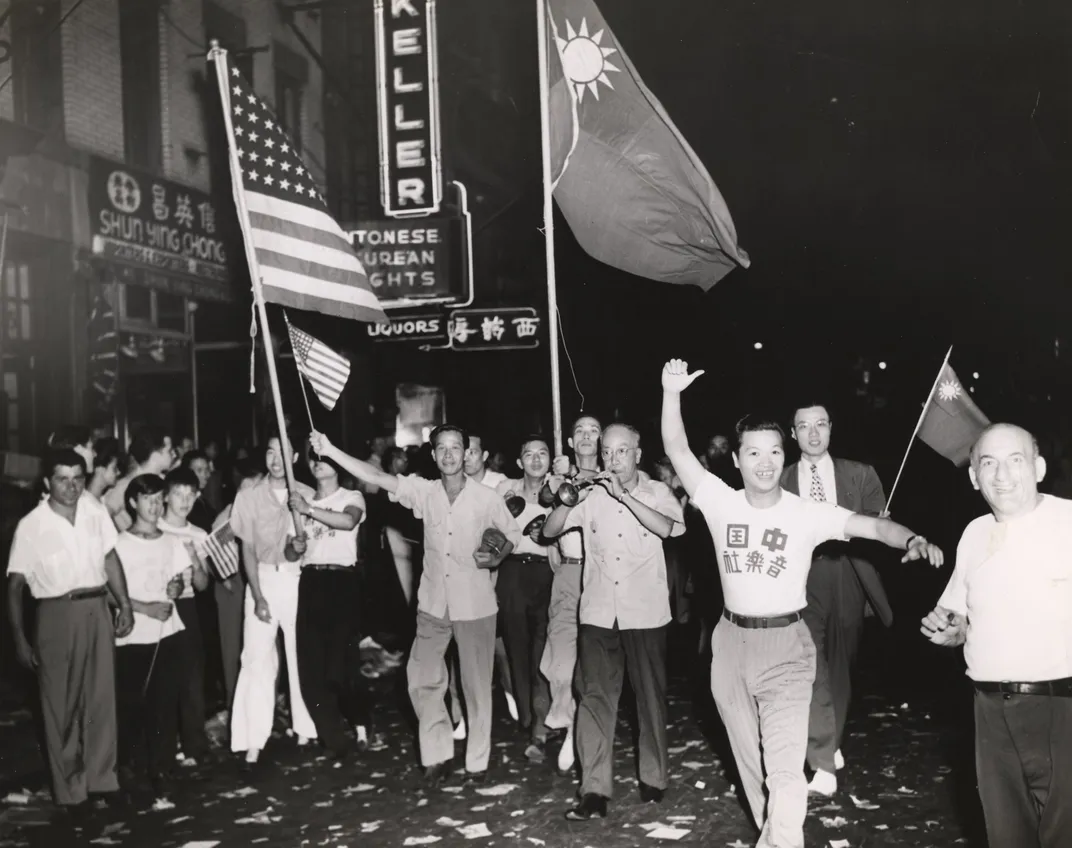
(603, 656)
(835, 617)
(192, 682)
(328, 609)
(1023, 762)
(148, 714)
(524, 593)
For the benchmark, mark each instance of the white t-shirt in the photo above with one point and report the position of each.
(492, 479)
(764, 555)
(1013, 580)
(189, 533)
(328, 546)
(149, 564)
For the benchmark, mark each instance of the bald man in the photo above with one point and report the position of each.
(1009, 602)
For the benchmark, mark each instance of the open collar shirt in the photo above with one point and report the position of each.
(452, 586)
(624, 567)
(260, 519)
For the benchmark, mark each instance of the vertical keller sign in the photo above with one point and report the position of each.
(407, 89)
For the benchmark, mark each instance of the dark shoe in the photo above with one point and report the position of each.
(589, 805)
(118, 801)
(436, 775)
(337, 755)
(476, 778)
(535, 752)
(162, 785)
(77, 815)
(649, 794)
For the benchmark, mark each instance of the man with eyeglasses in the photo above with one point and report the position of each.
(840, 584)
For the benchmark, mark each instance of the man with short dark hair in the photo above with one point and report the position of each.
(152, 453)
(763, 656)
(456, 598)
(840, 584)
(1009, 602)
(476, 463)
(202, 515)
(64, 552)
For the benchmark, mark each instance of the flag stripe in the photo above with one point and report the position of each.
(331, 384)
(272, 223)
(299, 284)
(330, 257)
(290, 211)
(312, 297)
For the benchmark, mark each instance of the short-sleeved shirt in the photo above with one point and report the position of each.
(328, 546)
(149, 565)
(625, 567)
(262, 520)
(1013, 580)
(57, 557)
(187, 533)
(764, 554)
(115, 500)
(452, 585)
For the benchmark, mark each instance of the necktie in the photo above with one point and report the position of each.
(817, 491)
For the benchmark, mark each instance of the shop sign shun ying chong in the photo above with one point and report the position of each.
(407, 88)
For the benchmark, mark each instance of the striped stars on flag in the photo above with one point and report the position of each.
(326, 370)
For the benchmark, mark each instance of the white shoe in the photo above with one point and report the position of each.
(823, 783)
(511, 706)
(839, 761)
(361, 732)
(303, 741)
(252, 755)
(460, 731)
(566, 755)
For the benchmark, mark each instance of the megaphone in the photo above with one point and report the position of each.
(516, 505)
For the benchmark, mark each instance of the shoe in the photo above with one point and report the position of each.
(589, 805)
(304, 740)
(651, 794)
(566, 754)
(839, 761)
(436, 775)
(161, 785)
(823, 783)
(460, 731)
(535, 753)
(77, 815)
(188, 762)
(252, 755)
(476, 778)
(511, 705)
(361, 732)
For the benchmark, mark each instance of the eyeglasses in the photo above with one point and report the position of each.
(805, 426)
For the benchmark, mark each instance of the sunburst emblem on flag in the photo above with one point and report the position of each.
(584, 60)
(949, 390)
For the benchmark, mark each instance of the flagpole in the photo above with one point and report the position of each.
(219, 60)
(919, 423)
(549, 223)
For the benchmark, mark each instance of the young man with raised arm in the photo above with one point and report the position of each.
(763, 663)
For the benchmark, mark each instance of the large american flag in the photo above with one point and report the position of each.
(304, 258)
(222, 548)
(325, 370)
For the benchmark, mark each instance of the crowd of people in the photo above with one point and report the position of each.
(558, 580)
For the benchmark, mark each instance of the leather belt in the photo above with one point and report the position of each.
(752, 622)
(1060, 688)
(571, 560)
(326, 566)
(81, 594)
(529, 559)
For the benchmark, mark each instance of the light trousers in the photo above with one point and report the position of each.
(560, 653)
(253, 710)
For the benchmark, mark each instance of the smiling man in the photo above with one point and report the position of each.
(763, 656)
(1009, 602)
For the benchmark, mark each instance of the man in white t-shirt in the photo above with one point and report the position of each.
(1009, 602)
(476, 464)
(763, 657)
(329, 607)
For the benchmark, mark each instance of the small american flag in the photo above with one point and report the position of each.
(304, 258)
(325, 370)
(222, 548)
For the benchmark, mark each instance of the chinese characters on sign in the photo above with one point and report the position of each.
(407, 88)
(409, 260)
(151, 223)
(507, 328)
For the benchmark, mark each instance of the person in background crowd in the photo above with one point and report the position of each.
(718, 459)
(181, 491)
(148, 660)
(456, 599)
(523, 588)
(329, 606)
(763, 656)
(186, 444)
(559, 660)
(674, 549)
(476, 458)
(840, 584)
(271, 555)
(66, 555)
(498, 462)
(105, 468)
(213, 490)
(400, 528)
(624, 610)
(1009, 602)
(76, 437)
(150, 453)
(203, 514)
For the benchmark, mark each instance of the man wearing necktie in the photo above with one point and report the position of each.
(840, 584)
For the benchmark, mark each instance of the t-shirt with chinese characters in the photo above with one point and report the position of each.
(764, 554)
(327, 545)
(149, 565)
(1013, 580)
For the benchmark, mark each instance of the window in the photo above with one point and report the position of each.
(17, 313)
(9, 411)
(170, 312)
(37, 63)
(230, 31)
(139, 51)
(142, 307)
(137, 304)
(291, 76)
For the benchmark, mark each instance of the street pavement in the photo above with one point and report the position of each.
(908, 782)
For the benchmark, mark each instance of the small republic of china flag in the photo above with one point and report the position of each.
(325, 370)
(222, 548)
(304, 258)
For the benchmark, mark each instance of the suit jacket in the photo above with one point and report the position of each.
(859, 490)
